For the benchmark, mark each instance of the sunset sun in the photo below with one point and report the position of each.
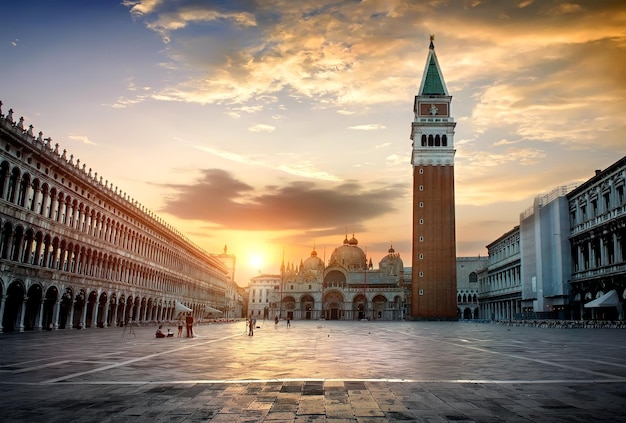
(256, 261)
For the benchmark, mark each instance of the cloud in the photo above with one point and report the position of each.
(307, 169)
(220, 198)
(82, 138)
(370, 127)
(234, 157)
(297, 167)
(262, 128)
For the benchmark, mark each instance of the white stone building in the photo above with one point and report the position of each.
(347, 288)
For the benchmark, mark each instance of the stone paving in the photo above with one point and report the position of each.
(316, 371)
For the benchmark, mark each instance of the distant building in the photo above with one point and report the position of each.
(348, 288)
(260, 291)
(500, 284)
(233, 301)
(467, 271)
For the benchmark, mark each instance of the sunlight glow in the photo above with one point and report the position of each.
(256, 260)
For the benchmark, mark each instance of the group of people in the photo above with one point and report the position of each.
(188, 323)
(251, 323)
(288, 319)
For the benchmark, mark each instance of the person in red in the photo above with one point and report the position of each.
(189, 322)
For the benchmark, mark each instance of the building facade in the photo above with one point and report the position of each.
(76, 252)
(566, 259)
(500, 284)
(260, 291)
(597, 236)
(348, 287)
(233, 301)
(467, 271)
(545, 261)
(434, 240)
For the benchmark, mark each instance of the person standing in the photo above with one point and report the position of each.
(189, 322)
(251, 326)
(288, 322)
(180, 328)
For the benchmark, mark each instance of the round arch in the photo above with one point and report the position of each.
(13, 307)
(333, 306)
(48, 320)
(33, 307)
(307, 305)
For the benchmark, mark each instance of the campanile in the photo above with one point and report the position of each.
(433, 292)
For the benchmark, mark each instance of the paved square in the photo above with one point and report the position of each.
(316, 371)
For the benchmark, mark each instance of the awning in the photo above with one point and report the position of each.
(209, 309)
(181, 308)
(610, 299)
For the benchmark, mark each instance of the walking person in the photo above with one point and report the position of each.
(180, 328)
(288, 322)
(275, 321)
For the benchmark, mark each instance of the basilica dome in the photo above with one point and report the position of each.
(349, 255)
(313, 262)
(391, 264)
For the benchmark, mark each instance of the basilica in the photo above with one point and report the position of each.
(347, 288)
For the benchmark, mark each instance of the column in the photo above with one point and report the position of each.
(20, 326)
(71, 318)
(39, 324)
(105, 321)
(96, 313)
(2, 301)
(55, 314)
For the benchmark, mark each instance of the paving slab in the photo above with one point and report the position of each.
(316, 371)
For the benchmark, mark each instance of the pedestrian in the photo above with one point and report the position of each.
(276, 321)
(288, 322)
(180, 328)
(251, 326)
(189, 322)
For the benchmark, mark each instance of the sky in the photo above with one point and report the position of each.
(278, 127)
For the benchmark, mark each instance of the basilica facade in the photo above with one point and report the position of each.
(348, 287)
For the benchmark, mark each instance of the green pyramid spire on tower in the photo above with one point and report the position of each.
(432, 81)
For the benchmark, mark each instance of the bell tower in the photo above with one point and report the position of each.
(433, 290)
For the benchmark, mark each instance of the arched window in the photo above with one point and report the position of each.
(430, 141)
(444, 140)
(437, 141)
(423, 140)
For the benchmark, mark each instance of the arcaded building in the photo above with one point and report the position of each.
(434, 239)
(77, 252)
